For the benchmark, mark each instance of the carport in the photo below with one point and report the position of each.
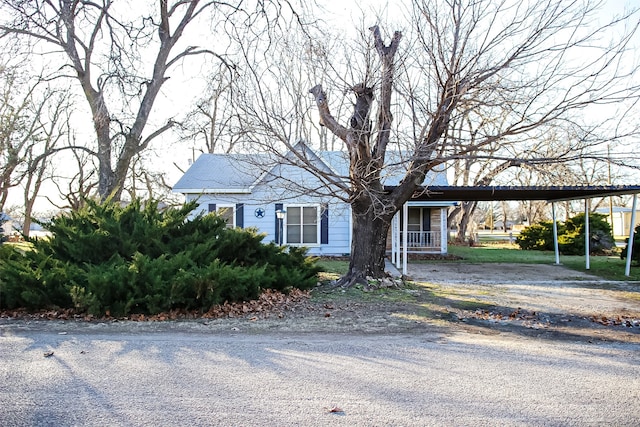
(550, 194)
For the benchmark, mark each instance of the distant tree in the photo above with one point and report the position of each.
(214, 120)
(33, 120)
(573, 241)
(635, 249)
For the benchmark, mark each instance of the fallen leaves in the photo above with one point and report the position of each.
(536, 320)
(616, 321)
(268, 303)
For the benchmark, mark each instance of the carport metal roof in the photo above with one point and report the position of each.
(508, 192)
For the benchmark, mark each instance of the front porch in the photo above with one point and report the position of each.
(425, 231)
(423, 241)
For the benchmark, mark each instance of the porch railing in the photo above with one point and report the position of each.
(422, 239)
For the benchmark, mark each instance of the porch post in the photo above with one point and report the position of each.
(555, 233)
(405, 238)
(627, 269)
(587, 234)
(394, 240)
(443, 231)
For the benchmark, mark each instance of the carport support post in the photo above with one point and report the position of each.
(587, 234)
(627, 268)
(394, 240)
(398, 236)
(444, 226)
(555, 233)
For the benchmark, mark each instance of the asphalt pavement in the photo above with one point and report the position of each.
(54, 374)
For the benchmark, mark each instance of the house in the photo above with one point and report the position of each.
(5, 224)
(621, 218)
(304, 206)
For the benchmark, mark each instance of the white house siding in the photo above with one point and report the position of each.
(338, 219)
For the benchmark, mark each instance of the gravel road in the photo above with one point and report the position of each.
(195, 374)
(427, 360)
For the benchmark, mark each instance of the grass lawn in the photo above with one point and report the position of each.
(607, 267)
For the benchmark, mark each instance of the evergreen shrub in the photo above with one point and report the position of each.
(538, 236)
(571, 235)
(635, 249)
(106, 258)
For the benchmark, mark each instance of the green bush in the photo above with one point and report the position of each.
(538, 236)
(571, 235)
(106, 258)
(635, 249)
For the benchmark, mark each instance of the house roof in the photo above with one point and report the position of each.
(394, 171)
(239, 173)
(548, 193)
(220, 173)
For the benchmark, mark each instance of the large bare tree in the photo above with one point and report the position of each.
(528, 63)
(122, 56)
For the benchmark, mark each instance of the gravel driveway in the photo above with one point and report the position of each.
(168, 376)
(373, 365)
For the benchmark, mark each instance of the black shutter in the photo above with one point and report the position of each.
(324, 224)
(426, 219)
(212, 207)
(240, 215)
(426, 225)
(278, 208)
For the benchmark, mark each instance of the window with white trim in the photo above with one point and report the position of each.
(302, 225)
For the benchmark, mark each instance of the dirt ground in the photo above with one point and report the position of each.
(543, 300)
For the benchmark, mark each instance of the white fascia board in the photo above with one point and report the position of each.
(213, 191)
(431, 204)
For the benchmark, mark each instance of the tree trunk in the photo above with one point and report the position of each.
(368, 248)
(468, 209)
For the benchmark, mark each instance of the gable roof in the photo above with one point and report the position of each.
(240, 173)
(394, 171)
(220, 173)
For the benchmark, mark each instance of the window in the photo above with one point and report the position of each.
(414, 220)
(419, 219)
(302, 225)
(227, 213)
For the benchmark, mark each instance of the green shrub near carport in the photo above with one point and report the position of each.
(140, 259)
(571, 235)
